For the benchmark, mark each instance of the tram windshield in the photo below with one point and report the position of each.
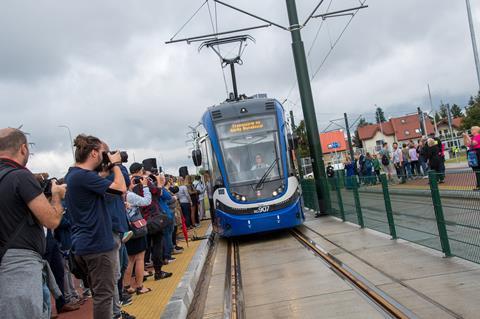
(251, 150)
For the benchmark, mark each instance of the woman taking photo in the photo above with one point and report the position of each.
(136, 247)
(473, 144)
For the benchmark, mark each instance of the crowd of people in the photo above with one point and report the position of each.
(411, 160)
(102, 223)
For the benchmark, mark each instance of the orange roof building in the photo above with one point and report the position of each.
(333, 141)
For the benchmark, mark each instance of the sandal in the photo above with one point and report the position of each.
(129, 290)
(140, 290)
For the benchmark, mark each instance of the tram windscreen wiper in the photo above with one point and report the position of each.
(264, 177)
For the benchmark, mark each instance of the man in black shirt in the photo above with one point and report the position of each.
(24, 211)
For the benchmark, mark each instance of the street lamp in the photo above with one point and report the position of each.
(71, 139)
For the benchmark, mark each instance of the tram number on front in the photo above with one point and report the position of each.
(262, 209)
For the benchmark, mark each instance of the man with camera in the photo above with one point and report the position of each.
(24, 211)
(93, 240)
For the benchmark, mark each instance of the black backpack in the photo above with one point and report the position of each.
(385, 160)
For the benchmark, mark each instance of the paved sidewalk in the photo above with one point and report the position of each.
(420, 278)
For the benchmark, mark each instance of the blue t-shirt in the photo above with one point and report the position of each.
(116, 205)
(91, 222)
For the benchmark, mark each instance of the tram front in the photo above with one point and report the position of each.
(258, 190)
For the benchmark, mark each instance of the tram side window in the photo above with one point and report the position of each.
(215, 173)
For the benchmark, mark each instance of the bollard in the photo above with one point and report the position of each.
(439, 217)
(388, 206)
(339, 196)
(356, 197)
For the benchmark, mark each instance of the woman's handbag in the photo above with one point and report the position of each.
(138, 224)
(472, 158)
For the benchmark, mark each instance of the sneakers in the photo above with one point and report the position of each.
(126, 315)
(179, 248)
(162, 275)
(177, 251)
(127, 236)
(126, 300)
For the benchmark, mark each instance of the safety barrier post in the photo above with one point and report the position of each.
(356, 197)
(439, 217)
(388, 206)
(327, 197)
(339, 195)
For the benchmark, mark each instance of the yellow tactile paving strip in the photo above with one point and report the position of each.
(152, 304)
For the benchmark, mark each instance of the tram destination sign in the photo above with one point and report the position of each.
(246, 126)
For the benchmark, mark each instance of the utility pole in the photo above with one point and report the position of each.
(431, 108)
(71, 140)
(299, 164)
(474, 41)
(308, 107)
(449, 118)
(421, 119)
(349, 137)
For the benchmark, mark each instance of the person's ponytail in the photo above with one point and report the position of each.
(84, 145)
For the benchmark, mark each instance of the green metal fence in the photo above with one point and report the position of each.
(440, 211)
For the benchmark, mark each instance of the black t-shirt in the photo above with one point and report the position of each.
(16, 190)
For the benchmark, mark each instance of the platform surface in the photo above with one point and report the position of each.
(420, 278)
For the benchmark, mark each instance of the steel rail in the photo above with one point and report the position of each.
(234, 305)
(381, 300)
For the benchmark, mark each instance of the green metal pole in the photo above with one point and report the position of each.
(307, 105)
(299, 164)
(388, 206)
(439, 217)
(356, 198)
(339, 196)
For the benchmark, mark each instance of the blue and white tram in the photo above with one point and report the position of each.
(248, 155)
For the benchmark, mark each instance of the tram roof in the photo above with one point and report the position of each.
(234, 109)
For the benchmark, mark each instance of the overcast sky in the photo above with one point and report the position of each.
(102, 68)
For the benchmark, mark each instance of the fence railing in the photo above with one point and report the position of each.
(440, 211)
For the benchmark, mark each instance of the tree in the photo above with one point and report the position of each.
(356, 138)
(472, 113)
(456, 111)
(303, 150)
(437, 117)
(443, 111)
(379, 115)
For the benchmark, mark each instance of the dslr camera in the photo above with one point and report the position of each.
(46, 183)
(106, 165)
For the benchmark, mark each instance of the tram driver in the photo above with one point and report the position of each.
(259, 163)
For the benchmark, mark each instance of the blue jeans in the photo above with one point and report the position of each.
(408, 169)
(424, 165)
(167, 242)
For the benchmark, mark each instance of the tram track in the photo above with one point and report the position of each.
(380, 300)
(394, 279)
(234, 304)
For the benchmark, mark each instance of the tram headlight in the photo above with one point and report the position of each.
(244, 199)
(274, 193)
